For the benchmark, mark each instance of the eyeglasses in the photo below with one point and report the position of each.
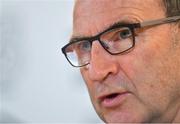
(117, 39)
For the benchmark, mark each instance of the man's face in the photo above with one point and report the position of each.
(141, 85)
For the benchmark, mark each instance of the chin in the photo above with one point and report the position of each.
(119, 118)
(124, 117)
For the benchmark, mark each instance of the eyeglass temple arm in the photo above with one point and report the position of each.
(160, 21)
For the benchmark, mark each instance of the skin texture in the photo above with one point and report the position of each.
(150, 72)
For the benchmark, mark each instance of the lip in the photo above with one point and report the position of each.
(113, 99)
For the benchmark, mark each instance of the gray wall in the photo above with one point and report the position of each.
(36, 82)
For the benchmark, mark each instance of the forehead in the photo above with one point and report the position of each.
(92, 16)
(106, 5)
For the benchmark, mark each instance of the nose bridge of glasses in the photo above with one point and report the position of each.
(98, 49)
(95, 42)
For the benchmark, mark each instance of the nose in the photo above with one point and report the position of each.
(102, 63)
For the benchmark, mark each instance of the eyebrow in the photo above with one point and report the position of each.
(115, 24)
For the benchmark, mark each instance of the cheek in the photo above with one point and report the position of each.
(89, 83)
(148, 61)
(150, 69)
(91, 89)
(85, 78)
(137, 64)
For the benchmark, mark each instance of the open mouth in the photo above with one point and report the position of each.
(113, 99)
(112, 96)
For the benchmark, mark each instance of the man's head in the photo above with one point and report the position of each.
(141, 84)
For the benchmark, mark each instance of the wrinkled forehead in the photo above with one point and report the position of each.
(100, 13)
(103, 5)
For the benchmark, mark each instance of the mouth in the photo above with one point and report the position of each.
(113, 99)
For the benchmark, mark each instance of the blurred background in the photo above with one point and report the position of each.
(37, 84)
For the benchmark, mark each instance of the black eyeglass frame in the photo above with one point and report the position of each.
(130, 26)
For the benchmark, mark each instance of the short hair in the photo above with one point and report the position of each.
(172, 7)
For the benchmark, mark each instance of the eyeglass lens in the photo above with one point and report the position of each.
(114, 41)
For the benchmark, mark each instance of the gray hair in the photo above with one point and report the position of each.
(172, 7)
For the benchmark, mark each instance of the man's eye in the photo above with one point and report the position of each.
(124, 34)
(85, 46)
